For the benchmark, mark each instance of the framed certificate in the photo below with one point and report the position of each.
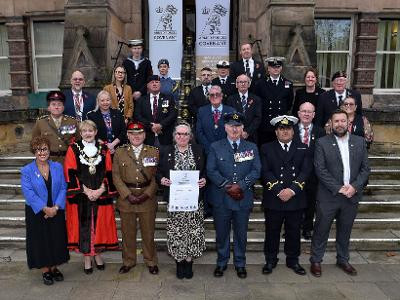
(184, 191)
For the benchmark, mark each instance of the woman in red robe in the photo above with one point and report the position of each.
(90, 215)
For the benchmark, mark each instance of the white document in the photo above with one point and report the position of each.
(184, 191)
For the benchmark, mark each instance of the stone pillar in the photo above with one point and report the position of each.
(19, 56)
(92, 31)
(365, 56)
(292, 35)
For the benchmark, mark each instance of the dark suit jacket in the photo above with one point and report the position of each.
(196, 100)
(206, 133)
(228, 88)
(329, 168)
(327, 104)
(167, 162)
(237, 68)
(89, 103)
(252, 114)
(316, 133)
(282, 170)
(166, 116)
(302, 96)
(222, 168)
(117, 124)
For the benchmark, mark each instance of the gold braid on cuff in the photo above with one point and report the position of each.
(300, 184)
(271, 185)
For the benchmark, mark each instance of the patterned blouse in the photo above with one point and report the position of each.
(121, 100)
(184, 160)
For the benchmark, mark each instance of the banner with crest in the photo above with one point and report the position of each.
(212, 33)
(165, 34)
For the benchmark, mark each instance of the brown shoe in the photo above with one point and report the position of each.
(125, 269)
(347, 268)
(153, 270)
(315, 269)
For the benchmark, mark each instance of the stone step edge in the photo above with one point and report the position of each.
(251, 220)
(249, 240)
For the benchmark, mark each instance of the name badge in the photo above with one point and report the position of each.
(67, 129)
(287, 84)
(149, 162)
(243, 156)
(165, 103)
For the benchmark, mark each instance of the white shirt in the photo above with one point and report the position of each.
(152, 101)
(277, 79)
(245, 94)
(251, 65)
(283, 145)
(302, 131)
(343, 144)
(337, 96)
(224, 79)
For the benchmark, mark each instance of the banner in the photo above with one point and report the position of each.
(165, 34)
(212, 33)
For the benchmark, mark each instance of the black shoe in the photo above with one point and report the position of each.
(219, 271)
(57, 275)
(47, 278)
(153, 270)
(180, 269)
(297, 269)
(267, 269)
(241, 272)
(88, 271)
(188, 269)
(307, 235)
(100, 267)
(124, 269)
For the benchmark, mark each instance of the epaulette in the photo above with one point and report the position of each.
(69, 117)
(124, 146)
(43, 117)
(90, 111)
(151, 147)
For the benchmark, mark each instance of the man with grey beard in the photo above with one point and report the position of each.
(339, 191)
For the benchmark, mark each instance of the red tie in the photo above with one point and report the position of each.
(306, 136)
(155, 106)
(216, 116)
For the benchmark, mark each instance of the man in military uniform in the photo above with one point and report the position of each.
(61, 130)
(286, 166)
(276, 93)
(224, 80)
(233, 166)
(168, 85)
(134, 169)
(138, 68)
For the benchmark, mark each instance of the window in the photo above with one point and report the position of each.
(387, 75)
(333, 47)
(5, 82)
(47, 49)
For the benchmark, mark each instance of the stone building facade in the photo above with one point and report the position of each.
(358, 35)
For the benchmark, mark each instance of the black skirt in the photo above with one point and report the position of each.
(46, 239)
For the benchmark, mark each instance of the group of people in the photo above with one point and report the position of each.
(123, 145)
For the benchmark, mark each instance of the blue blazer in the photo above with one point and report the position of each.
(206, 133)
(34, 186)
(221, 170)
(89, 103)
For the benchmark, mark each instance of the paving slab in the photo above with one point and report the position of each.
(391, 289)
(317, 291)
(361, 291)
(274, 291)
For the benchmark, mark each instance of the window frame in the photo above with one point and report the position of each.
(36, 88)
(349, 52)
(7, 92)
(385, 91)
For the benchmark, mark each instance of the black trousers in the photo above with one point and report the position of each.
(309, 212)
(273, 225)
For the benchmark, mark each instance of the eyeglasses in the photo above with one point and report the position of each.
(242, 82)
(215, 95)
(39, 150)
(348, 104)
(119, 72)
(182, 133)
(78, 79)
(306, 111)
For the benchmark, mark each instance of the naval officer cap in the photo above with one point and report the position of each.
(275, 61)
(135, 127)
(223, 64)
(163, 61)
(339, 74)
(284, 121)
(234, 118)
(135, 43)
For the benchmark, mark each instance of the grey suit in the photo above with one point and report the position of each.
(330, 203)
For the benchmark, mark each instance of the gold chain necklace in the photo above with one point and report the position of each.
(90, 160)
